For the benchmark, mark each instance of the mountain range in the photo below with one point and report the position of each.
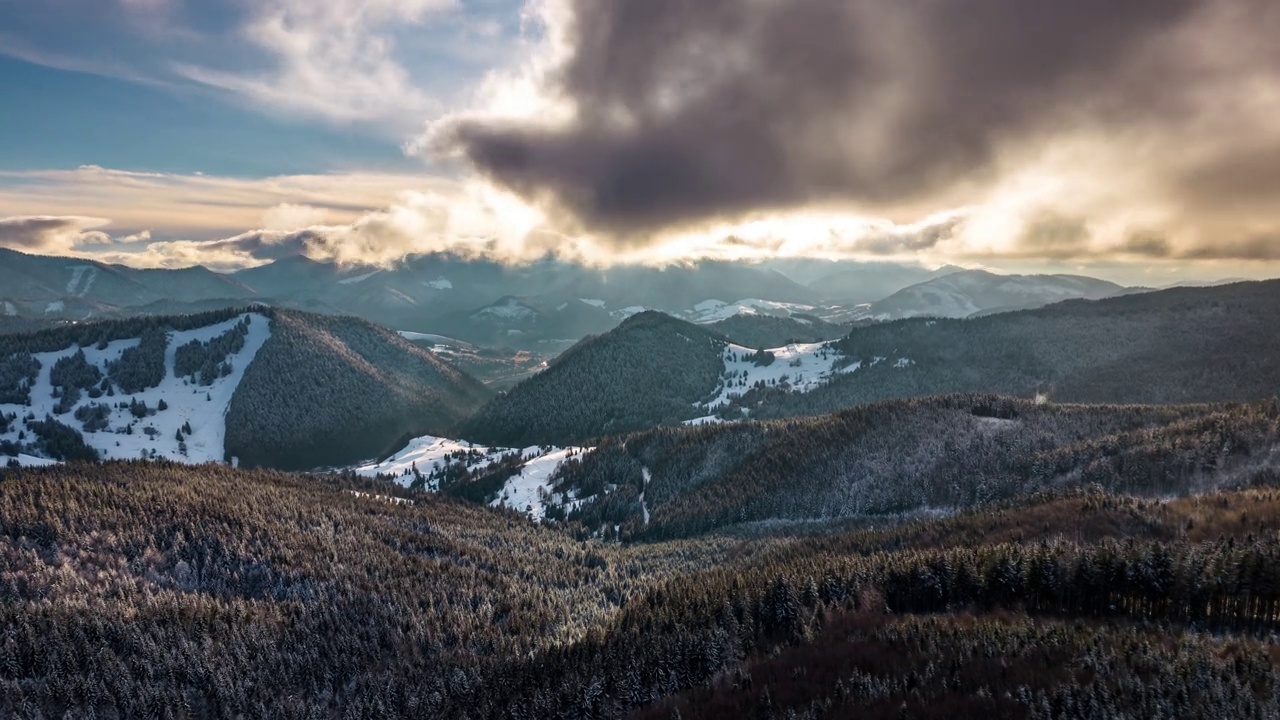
(543, 306)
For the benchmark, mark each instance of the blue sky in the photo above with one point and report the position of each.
(184, 86)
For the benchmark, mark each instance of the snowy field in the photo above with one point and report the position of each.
(801, 367)
(527, 491)
(203, 407)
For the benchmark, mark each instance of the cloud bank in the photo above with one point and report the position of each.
(1142, 119)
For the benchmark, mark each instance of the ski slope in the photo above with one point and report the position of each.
(155, 437)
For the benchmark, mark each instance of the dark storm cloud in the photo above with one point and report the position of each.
(1148, 244)
(1054, 236)
(1257, 247)
(694, 109)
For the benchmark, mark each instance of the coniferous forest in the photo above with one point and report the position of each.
(253, 594)
(967, 554)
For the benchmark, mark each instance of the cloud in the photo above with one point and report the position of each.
(333, 60)
(290, 216)
(47, 234)
(205, 206)
(643, 119)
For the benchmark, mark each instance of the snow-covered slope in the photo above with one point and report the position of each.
(426, 460)
(201, 407)
(797, 367)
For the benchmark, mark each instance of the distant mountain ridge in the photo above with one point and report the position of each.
(969, 293)
(1184, 345)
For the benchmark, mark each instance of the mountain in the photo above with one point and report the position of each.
(969, 293)
(37, 285)
(860, 283)
(768, 331)
(329, 389)
(258, 386)
(1173, 346)
(422, 288)
(526, 323)
(873, 461)
(651, 369)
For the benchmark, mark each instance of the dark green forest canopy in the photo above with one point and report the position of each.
(330, 390)
(130, 586)
(649, 371)
(904, 456)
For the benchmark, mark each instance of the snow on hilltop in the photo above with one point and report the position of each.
(798, 367)
(425, 460)
(201, 407)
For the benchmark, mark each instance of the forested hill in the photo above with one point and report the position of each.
(769, 331)
(903, 456)
(264, 386)
(649, 370)
(1183, 345)
(328, 390)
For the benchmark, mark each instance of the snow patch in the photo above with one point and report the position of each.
(85, 273)
(644, 507)
(627, 312)
(593, 302)
(358, 278)
(203, 407)
(440, 284)
(55, 306)
(382, 498)
(27, 461)
(511, 309)
(9, 309)
(528, 490)
(427, 337)
(800, 367)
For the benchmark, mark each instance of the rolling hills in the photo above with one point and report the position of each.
(1183, 345)
(651, 370)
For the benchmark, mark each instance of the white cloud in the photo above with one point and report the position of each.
(334, 60)
(197, 205)
(290, 216)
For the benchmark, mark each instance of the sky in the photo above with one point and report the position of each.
(1135, 141)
